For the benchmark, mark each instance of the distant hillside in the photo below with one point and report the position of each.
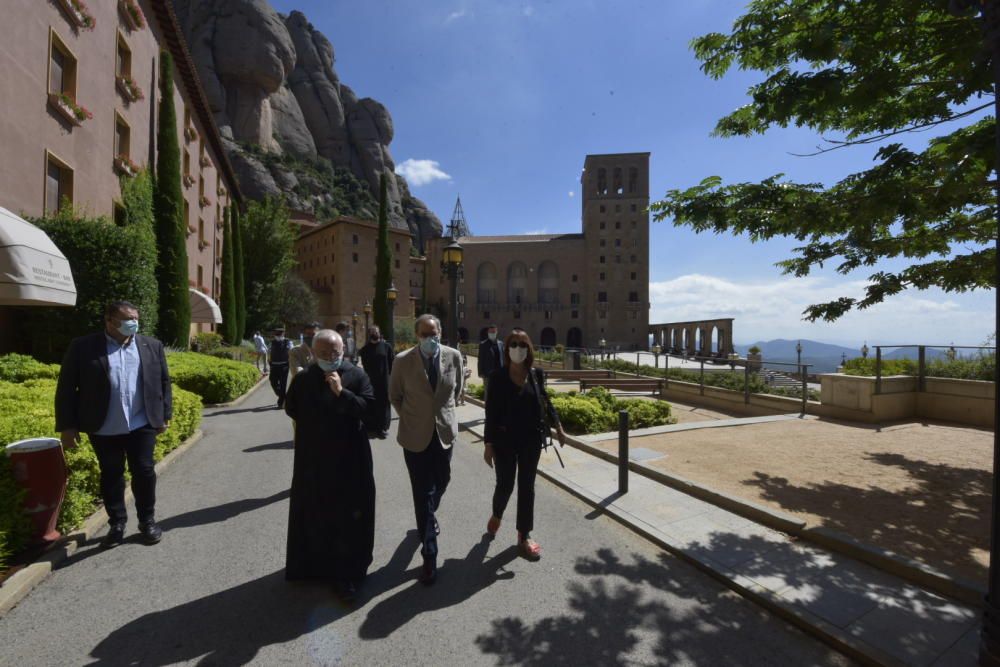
(825, 357)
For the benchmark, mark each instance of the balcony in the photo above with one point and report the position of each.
(124, 166)
(78, 13)
(129, 89)
(132, 15)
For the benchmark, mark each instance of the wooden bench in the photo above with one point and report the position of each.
(558, 374)
(638, 385)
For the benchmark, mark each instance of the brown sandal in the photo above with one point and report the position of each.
(529, 549)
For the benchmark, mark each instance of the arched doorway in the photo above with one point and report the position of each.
(716, 348)
(463, 335)
(699, 341)
(548, 337)
(574, 337)
(684, 341)
(486, 283)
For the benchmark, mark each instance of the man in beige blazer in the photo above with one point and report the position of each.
(425, 384)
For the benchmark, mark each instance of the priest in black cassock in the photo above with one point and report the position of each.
(331, 516)
(376, 358)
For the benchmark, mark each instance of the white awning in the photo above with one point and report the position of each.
(203, 309)
(33, 271)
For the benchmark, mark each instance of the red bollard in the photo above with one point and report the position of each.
(40, 468)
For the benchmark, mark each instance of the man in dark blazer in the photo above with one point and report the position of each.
(115, 387)
(490, 356)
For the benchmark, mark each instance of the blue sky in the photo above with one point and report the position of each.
(508, 97)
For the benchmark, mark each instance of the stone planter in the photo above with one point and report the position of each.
(64, 110)
(132, 16)
(80, 18)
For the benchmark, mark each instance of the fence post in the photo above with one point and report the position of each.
(923, 368)
(622, 451)
(666, 374)
(637, 364)
(805, 387)
(878, 370)
(701, 377)
(746, 383)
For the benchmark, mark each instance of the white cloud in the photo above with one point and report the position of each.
(455, 15)
(571, 193)
(543, 230)
(528, 10)
(773, 309)
(421, 172)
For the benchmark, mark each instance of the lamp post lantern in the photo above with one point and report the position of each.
(390, 296)
(603, 343)
(451, 265)
(368, 311)
(656, 356)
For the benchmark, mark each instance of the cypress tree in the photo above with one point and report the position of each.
(230, 318)
(168, 209)
(383, 263)
(239, 283)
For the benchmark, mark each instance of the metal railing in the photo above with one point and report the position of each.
(951, 353)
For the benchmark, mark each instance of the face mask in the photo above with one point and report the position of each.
(518, 354)
(279, 337)
(328, 366)
(308, 340)
(128, 327)
(430, 345)
(492, 336)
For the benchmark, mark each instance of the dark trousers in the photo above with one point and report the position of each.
(521, 461)
(112, 453)
(279, 381)
(430, 472)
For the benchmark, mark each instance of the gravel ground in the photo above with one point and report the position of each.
(919, 489)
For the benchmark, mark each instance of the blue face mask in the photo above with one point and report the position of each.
(430, 345)
(328, 366)
(128, 327)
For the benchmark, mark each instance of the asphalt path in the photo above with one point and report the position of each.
(213, 592)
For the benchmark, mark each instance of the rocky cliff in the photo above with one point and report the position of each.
(290, 126)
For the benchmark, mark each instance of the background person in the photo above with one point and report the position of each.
(331, 514)
(301, 355)
(516, 430)
(115, 387)
(260, 345)
(425, 383)
(376, 358)
(280, 347)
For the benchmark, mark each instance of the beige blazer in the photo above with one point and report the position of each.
(420, 409)
(299, 358)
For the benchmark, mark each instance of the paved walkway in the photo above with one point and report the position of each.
(863, 609)
(213, 592)
(694, 426)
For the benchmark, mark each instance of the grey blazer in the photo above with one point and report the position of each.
(420, 409)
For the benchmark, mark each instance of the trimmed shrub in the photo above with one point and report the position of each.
(582, 414)
(475, 390)
(215, 380)
(109, 263)
(27, 410)
(21, 367)
(206, 342)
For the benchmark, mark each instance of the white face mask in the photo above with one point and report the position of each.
(492, 335)
(518, 354)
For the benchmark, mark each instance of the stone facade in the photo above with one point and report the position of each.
(337, 260)
(48, 154)
(569, 289)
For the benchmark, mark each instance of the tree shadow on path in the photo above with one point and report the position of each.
(223, 512)
(458, 581)
(284, 444)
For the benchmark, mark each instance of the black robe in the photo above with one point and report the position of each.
(377, 360)
(331, 516)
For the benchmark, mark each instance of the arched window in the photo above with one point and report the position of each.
(486, 283)
(517, 283)
(633, 180)
(616, 186)
(548, 337)
(548, 282)
(602, 181)
(574, 337)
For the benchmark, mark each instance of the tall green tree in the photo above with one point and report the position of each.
(230, 316)
(238, 275)
(268, 246)
(862, 72)
(168, 211)
(383, 262)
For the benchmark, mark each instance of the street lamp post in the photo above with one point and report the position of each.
(451, 265)
(368, 311)
(390, 296)
(354, 332)
(798, 356)
(603, 343)
(656, 356)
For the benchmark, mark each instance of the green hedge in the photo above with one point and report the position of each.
(215, 380)
(27, 410)
(597, 411)
(21, 367)
(982, 366)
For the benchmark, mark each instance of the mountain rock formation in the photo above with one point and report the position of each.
(290, 126)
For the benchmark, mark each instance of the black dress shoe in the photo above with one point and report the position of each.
(115, 536)
(151, 533)
(428, 574)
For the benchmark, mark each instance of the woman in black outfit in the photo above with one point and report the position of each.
(516, 429)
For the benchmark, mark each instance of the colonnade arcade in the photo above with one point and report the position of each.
(702, 338)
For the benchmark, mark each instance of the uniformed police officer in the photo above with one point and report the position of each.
(279, 364)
